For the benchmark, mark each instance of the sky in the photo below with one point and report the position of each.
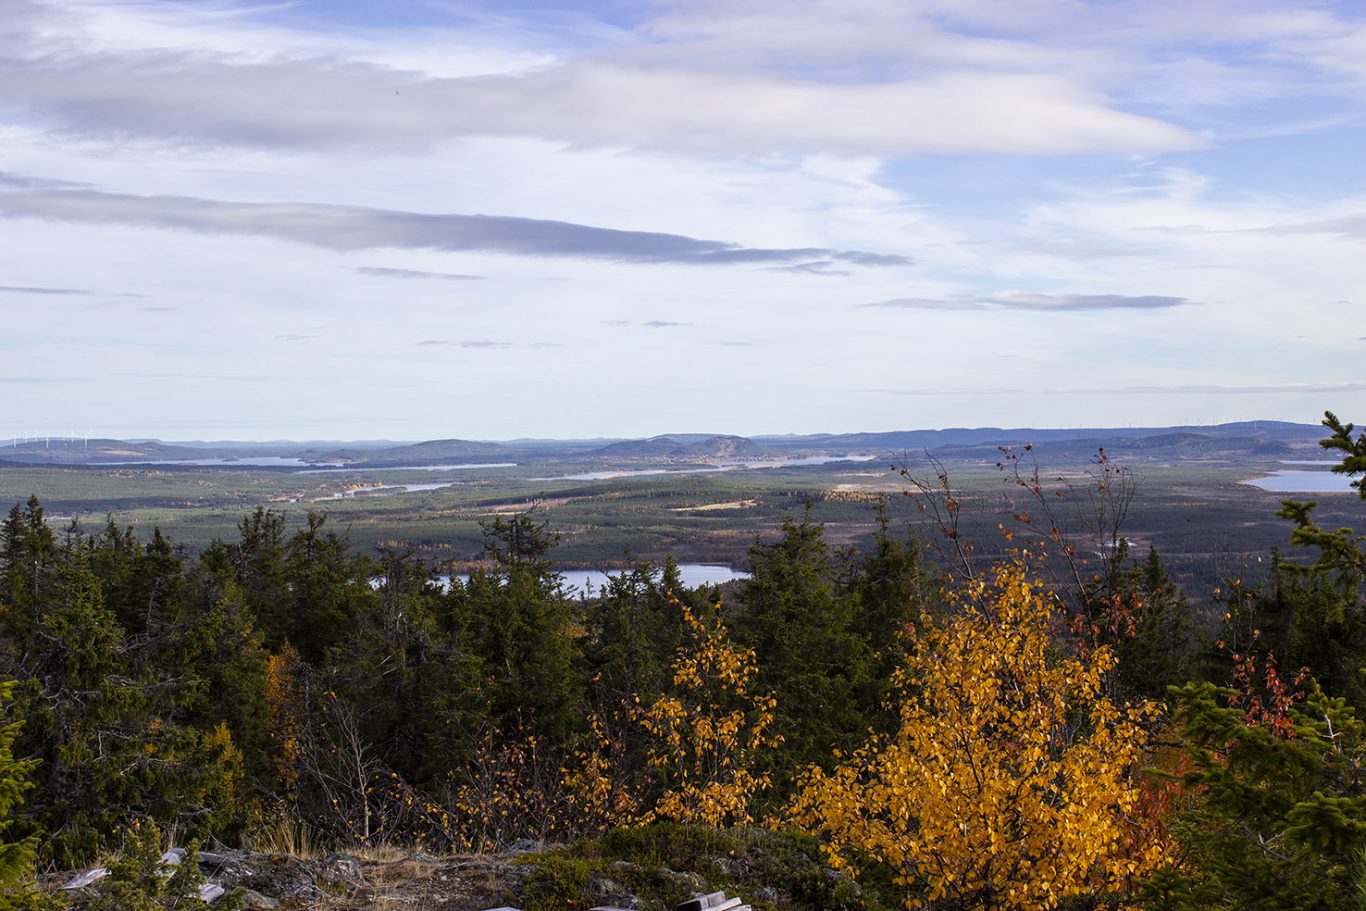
(419, 219)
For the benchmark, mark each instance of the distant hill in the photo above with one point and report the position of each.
(1244, 439)
(98, 452)
(693, 447)
(728, 447)
(653, 448)
(429, 452)
(1164, 447)
(1281, 431)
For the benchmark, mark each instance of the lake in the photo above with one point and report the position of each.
(383, 488)
(246, 462)
(719, 466)
(1287, 480)
(591, 581)
(368, 468)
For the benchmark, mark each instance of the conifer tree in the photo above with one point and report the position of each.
(886, 586)
(329, 586)
(1146, 621)
(103, 718)
(414, 686)
(1281, 820)
(27, 564)
(809, 656)
(526, 630)
(17, 890)
(634, 630)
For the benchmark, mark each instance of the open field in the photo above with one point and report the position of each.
(1204, 522)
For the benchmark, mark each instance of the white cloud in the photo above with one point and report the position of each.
(197, 82)
(346, 228)
(1023, 300)
(272, 181)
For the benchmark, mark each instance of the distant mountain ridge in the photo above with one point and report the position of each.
(1262, 438)
(1283, 431)
(414, 453)
(667, 447)
(79, 451)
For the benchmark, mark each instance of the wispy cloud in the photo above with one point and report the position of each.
(347, 228)
(22, 289)
(157, 94)
(1353, 226)
(255, 168)
(473, 343)
(1189, 389)
(648, 324)
(382, 272)
(817, 267)
(13, 181)
(1018, 300)
(43, 380)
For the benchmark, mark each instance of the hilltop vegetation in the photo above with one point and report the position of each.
(1236, 438)
(1192, 505)
(1042, 723)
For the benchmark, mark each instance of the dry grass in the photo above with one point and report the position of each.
(289, 837)
(733, 504)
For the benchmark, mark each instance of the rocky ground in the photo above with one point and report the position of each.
(342, 882)
(653, 869)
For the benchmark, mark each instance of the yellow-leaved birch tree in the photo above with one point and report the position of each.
(708, 730)
(1010, 780)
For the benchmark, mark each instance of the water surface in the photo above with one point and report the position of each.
(452, 467)
(1287, 480)
(593, 581)
(717, 466)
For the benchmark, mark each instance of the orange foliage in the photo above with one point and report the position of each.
(1011, 781)
(708, 732)
(285, 706)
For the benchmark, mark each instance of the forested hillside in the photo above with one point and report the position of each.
(1051, 728)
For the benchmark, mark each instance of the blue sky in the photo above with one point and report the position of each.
(446, 219)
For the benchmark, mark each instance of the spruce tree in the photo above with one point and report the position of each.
(809, 656)
(17, 890)
(527, 631)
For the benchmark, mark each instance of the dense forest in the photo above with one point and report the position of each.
(1051, 728)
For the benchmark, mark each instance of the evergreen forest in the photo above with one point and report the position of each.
(1044, 722)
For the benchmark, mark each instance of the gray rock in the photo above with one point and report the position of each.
(613, 892)
(835, 876)
(342, 870)
(605, 886)
(726, 865)
(214, 861)
(81, 880)
(767, 894)
(692, 882)
(255, 901)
